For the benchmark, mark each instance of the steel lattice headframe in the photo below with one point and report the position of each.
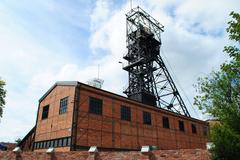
(149, 79)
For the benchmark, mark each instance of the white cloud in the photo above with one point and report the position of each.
(209, 16)
(192, 42)
(100, 14)
(23, 58)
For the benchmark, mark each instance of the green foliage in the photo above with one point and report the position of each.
(219, 96)
(234, 27)
(227, 143)
(18, 141)
(2, 96)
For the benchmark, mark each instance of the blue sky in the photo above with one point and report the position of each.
(46, 41)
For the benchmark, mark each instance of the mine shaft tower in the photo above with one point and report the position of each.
(149, 79)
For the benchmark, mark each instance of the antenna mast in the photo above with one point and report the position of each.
(98, 72)
(96, 82)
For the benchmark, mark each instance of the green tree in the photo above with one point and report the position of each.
(18, 140)
(219, 96)
(2, 96)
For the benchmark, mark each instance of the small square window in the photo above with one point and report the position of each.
(125, 113)
(165, 121)
(95, 105)
(147, 118)
(45, 112)
(63, 105)
(194, 129)
(181, 125)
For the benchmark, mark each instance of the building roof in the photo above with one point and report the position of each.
(59, 83)
(26, 137)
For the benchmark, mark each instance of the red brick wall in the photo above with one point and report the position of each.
(58, 149)
(109, 131)
(55, 126)
(189, 154)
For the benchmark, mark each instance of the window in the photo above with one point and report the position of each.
(147, 118)
(64, 142)
(125, 113)
(41, 144)
(205, 130)
(69, 141)
(181, 125)
(51, 143)
(45, 144)
(95, 106)
(165, 122)
(48, 144)
(63, 105)
(35, 145)
(60, 142)
(45, 112)
(194, 129)
(55, 143)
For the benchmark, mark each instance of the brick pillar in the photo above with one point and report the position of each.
(148, 156)
(18, 156)
(93, 156)
(50, 156)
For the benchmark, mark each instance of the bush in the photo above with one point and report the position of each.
(226, 143)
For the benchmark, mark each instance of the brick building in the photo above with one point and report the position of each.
(74, 116)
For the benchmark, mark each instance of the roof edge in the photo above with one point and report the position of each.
(59, 83)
